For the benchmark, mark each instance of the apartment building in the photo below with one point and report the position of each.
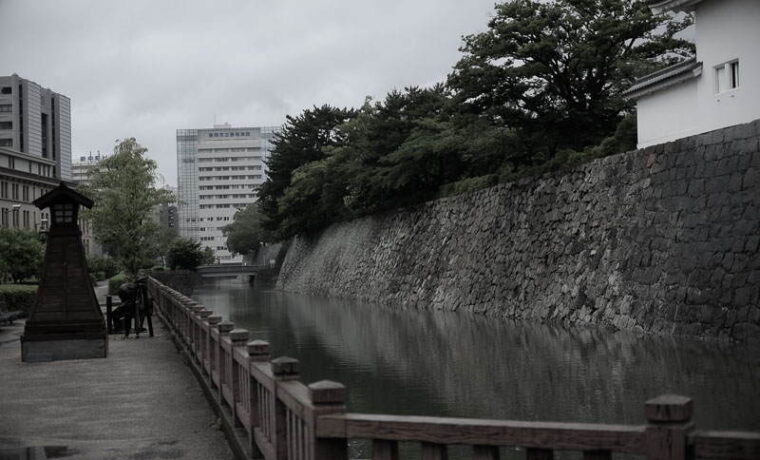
(218, 172)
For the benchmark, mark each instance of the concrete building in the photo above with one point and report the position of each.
(80, 174)
(218, 171)
(80, 169)
(718, 88)
(36, 121)
(23, 179)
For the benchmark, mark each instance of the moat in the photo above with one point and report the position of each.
(454, 364)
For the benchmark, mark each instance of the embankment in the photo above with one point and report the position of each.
(663, 239)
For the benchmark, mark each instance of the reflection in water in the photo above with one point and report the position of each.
(452, 364)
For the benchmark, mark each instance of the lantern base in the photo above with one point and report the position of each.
(35, 351)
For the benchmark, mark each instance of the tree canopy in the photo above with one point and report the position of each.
(538, 90)
(245, 234)
(187, 254)
(124, 191)
(21, 254)
(302, 140)
(556, 70)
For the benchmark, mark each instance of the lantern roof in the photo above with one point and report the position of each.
(62, 194)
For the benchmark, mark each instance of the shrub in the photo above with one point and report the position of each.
(102, 267)
(116, 281)
(18, 296)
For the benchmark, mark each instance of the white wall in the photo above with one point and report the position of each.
(725, 30)
(668, 115)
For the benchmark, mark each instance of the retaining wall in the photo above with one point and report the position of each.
(663, 239)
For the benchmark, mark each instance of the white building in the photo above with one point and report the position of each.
(81, 169)
(218, 172)
(718, 88)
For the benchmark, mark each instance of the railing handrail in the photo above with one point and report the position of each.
(286, 419)
(472, 431)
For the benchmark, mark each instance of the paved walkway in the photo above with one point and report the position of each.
(141, 403)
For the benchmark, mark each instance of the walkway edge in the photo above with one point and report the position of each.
(236, 438)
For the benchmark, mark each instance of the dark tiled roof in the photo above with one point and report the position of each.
(664, 78)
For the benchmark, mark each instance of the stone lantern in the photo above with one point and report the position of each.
(66, 321)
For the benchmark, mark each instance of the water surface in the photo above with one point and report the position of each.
(397, 361)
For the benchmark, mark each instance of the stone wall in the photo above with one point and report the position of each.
(663, 239)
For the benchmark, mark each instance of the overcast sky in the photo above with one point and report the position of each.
(143, 68)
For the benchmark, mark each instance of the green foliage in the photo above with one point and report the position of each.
(208, 256)
(102, 267)
(245, 233)
(18, 296)
(301, 141)
(123, 188)
(185, 253)
(539, 91)
(117, 280)
(21, 254)
(555, 70)
(468, 185)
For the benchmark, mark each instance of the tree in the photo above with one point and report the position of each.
(21, 254)
(555, 70)
(302, 140)
(187, 254)
(123, 188)
(245, 233)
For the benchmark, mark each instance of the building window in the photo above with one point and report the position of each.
(6, 90)
(727, 76)
(6, 107)
(6, 142)
(6, 125)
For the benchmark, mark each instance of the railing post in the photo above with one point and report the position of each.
(669, 418)
(225, 327)
(201, 345)
(328, 397)
(239, 337)
(258, 351)
(211, 347)
(283, 368)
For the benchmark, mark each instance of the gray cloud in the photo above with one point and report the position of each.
(144, 68)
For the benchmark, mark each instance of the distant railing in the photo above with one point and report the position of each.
(288, 420)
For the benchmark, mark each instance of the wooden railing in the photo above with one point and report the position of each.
(287, 420)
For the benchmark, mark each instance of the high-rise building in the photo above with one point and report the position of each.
(36, 121)
(218, 171)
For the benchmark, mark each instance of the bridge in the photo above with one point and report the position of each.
(230, 270)
(269, 413)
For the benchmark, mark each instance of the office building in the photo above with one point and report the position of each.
(219, 170)
(80, 170)
(23, 179)
(36, 121)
